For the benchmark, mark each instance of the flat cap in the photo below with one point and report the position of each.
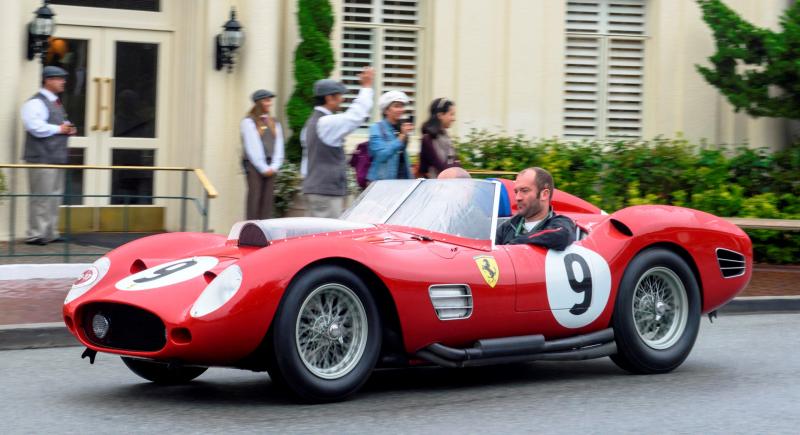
(328, 87)
(53, 71)
(261, 94)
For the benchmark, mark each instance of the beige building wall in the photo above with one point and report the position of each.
(501, 61)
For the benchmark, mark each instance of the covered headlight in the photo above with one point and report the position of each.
(88, 279)
(218, 292)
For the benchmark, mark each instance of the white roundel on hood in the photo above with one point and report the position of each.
(167, 274)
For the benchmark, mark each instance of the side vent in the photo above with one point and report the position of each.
(731, 263)
(451, 301)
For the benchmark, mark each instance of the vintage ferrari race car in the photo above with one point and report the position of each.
(409, 275)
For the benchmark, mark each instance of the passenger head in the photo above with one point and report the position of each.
(442, 116)
(533, 190)
(454, 172)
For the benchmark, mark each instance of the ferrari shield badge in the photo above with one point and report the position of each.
(488, 268)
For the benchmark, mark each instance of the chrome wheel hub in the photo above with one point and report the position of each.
(660, 308)
(331, 331)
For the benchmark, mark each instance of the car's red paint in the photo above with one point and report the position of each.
(406, 261)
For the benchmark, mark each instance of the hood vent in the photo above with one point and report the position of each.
(731, 263)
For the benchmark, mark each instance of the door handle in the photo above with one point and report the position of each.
(110, 105)
(98, 103)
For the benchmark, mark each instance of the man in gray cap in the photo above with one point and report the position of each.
(47, 130)
(323, 165)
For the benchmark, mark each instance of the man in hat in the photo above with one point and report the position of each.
(324, 166)
(46, 133)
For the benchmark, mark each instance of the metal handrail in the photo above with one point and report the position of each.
(209, 191)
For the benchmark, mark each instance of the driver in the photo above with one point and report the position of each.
(536, 223)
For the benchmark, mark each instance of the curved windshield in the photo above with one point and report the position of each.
(460, 207)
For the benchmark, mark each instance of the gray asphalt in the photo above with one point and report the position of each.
(742, 377)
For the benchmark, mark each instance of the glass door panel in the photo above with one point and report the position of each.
(135, 89)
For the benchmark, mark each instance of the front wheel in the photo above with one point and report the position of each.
(163, 373)
(327, 334)
(656, 314)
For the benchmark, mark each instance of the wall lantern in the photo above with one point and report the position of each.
(39, 31)
(228, 41)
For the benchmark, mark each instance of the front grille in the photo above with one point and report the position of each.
(129, 328)
(731, 263)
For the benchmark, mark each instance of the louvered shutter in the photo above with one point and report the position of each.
(384, 34)
(604, 68)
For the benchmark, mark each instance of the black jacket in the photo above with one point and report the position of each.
(554, 232)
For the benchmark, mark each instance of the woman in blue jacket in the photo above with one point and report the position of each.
(388, 139)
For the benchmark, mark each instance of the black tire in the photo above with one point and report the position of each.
(638, 352)
(162, 373)
(298, 373)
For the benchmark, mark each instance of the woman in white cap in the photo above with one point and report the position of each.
(388, 139)
(262, 138)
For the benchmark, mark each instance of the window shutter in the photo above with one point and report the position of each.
(384, 34)
(604, 74)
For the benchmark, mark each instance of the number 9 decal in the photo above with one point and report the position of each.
(578, 285)
(167, 274)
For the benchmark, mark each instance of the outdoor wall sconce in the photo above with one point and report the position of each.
(228, 41)
(39, 32)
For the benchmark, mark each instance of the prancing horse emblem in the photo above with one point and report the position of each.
(488, 269)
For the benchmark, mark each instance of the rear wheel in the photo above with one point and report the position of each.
(163, 373)
(656, 314)
(327, 334)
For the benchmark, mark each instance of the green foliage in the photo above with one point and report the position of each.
(758, 70)
(313, 60)
(725, 181)
(2, 183)
(286, 187)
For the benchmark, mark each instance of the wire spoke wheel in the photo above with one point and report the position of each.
(331, 331)
(660, 308)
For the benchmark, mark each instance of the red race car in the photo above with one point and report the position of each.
(409, 275)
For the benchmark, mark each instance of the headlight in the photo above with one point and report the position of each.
(88, 279)
(220, 291)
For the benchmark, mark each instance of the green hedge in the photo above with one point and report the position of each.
(726, 181)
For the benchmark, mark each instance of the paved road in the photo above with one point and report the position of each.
(743, 377)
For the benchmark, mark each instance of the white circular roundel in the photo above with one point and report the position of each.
(167, 274)
(578, 285)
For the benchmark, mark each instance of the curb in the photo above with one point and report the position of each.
(42, 271)
(761, 304)
(35, 336)
(44, 335)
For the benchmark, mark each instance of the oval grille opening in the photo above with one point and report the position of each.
(128, 327)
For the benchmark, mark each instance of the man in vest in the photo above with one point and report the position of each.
(536, 223)
(47, 130)
(324, 166)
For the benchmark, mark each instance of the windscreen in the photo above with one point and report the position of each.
(460, 207)
(380, 198)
